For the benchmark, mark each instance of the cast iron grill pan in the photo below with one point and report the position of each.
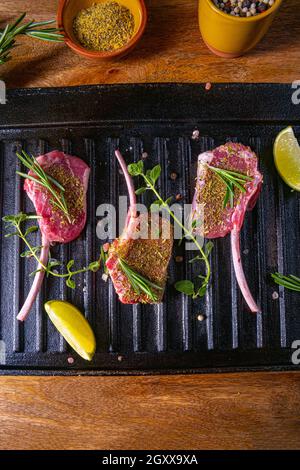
(168, 338)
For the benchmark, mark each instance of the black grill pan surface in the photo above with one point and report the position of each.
(168, 338)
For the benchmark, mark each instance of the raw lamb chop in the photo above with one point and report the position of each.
(148, 257)
(209, 200)
(73, 174)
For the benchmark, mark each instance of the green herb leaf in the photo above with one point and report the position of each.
(70, 283)
(103, 259)
(26, 254)
(168, 201)
(95, 266)
(186, 287)
(53, 264)
(140, 191)
(155, 173)
(15, 219)
(33, 251)
(202, 291)
(290, 282)
(12, 234)
(135, 169)
(193, 260)
(208, 248)
(196, 223)
(32, 229)
(70, 264)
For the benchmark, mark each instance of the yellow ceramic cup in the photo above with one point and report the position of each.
(232, 36)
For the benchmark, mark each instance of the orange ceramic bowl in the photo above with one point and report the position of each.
(68, 9)
(232, 36)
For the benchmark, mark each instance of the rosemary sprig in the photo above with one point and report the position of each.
(138, 282)
(44, 180)
(290, 282)
(32, 29)
(150, 178)
(16, 223)
(232, 180)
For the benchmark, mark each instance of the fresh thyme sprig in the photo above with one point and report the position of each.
(232, 180)
(32, 29)
(150, 178)
(138, 282)
(103, 259)
(290, 282)
(44, 180)
(16, 222)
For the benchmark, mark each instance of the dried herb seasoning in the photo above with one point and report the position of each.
(104, 26)
(74, 193)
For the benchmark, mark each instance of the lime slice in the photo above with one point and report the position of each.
(287, 157)
(73, 326)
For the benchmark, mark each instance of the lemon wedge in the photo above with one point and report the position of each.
(73, 326)
(287, 157)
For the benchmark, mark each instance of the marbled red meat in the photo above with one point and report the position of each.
(73, 174)
(149, 257)
(209, 197)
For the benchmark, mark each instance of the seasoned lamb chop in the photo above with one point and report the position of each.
(209, 200)
(73, 174)
(148, 257)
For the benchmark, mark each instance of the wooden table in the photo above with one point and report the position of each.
(171, 50)
(259, 410)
